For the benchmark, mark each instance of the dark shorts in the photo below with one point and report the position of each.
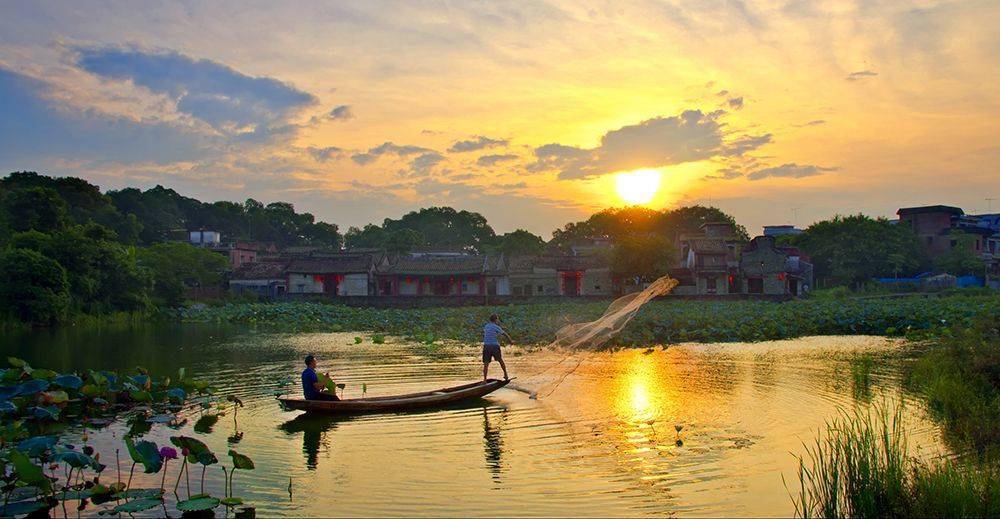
(491, 351)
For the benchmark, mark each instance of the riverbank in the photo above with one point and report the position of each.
(661, 321)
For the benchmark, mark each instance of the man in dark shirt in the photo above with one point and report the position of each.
(312, 388)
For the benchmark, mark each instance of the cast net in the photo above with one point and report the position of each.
(580, 338)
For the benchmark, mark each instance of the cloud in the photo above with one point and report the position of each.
(479, 143)
(814, 122)
(341, 113)
(790, 170)
(662, 141)
(324, 154)
(387, 148)
(424, 163)
(861, 74)
(492, 160)
(228, 100)
(735, 103)
(724, 174)
(35, 127)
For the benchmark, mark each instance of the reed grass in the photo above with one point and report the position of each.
(860, 467)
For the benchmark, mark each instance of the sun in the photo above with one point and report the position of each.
(638, 187)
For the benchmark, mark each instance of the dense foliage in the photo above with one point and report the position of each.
(38, 404)
(661, 321)
(643, 257)
(853, 249)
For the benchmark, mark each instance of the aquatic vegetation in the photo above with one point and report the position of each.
(861, 375)
(960, 378)
(661, 321)
(37, 402)
(860, 467)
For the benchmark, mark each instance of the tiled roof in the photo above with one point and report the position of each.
(435, 265)
(339, 264)
(265, 270)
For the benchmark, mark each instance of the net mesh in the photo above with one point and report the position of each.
(592, 335)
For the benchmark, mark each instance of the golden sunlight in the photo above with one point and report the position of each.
(638, 187)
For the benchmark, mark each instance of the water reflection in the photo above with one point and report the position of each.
(493, 441)
(314, 429)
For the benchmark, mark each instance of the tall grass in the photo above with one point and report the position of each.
(861, 375)
(860, 467)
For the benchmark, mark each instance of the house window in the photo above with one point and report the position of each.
(755, 285)
(541, 289)
(710, 284)
(597, 287)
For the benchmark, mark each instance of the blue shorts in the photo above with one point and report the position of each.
(491, 351)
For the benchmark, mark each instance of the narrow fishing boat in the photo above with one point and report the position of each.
(448, 395)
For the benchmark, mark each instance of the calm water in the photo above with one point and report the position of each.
(599, 441)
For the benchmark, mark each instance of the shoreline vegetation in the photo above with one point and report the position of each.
(661, 321)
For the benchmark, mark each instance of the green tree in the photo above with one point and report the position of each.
(446, 227)
(646, 257)
(33, 288)
(174, 266)
(519, 242)
(372, 236)
(962, 259)
(854, 249)
(35, 208)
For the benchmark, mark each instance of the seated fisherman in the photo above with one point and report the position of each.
(312, 388)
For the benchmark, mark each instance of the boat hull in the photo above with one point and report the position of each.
(440, 397)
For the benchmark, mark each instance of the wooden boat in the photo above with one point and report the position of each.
(376, 404)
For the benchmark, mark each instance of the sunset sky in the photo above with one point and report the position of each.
(775, 111)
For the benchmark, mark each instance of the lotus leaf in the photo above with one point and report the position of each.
(8, 392)
(7, 407)
(176, 395)
(141, 396)
(16, 362)
(198, 503)
(22, 508)
(205, 423)
(91, 390)
(140, 493)
(37, 446)
(33, 386)
(142, 381)
(12, 375)
(68, 381)
(232, 501)
(241, 461)
(72, 495)
(161, 418)
(78, 460)
(28, 472)
(134, 506)
(149, 456)
(43, 374)
(45, 413)
(55, 397)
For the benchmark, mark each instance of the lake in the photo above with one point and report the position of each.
(600, 440)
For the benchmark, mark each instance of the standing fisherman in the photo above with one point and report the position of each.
(491, 345)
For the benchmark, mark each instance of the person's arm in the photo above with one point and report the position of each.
(507, 335)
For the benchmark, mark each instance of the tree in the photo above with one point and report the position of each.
(33, 288)
(961, 259)
(372, 236)
(446, 227)
(402, 240)
(175, 265)
(519, 242)
(35, 208)
(854, 249)
(646, 257)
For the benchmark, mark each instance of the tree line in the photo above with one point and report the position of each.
(66, 248)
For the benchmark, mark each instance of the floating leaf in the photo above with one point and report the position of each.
(8, 392)
(77, 460)
(7, 407)
(198, 503)
(33, 386)
(16, 362)
(205, 423)
(198, 452)
(45, 413)
(68, 381)
(141, 396)
(55, 397)
(22, 508)
(140, 493)
(232, 501)
(135, 506)
(161, 418)
(72, 495)
(241, 461)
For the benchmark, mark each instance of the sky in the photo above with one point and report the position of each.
(525, 111)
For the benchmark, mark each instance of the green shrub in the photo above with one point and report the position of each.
(33, 288)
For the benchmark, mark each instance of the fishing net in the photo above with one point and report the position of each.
(594, 334)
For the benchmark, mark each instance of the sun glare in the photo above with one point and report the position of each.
(638, 187)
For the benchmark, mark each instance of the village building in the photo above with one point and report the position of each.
(266, 280)
(935, 225)
(332, 274)
(708, 261)
(781, 230)
(442, 274)
(771, 270)
(560, 275)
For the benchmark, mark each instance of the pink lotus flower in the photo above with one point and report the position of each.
(168, 453)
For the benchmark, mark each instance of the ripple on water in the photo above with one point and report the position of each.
(603, 443)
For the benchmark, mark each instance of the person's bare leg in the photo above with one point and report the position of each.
(486, 369)
(504, 367)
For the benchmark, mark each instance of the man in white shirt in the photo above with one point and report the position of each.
(491, 345)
